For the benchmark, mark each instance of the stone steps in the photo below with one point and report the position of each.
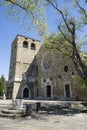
(8, 115)
(11, 113)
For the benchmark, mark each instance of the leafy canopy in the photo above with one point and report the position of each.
(30, 13)
(57, 43)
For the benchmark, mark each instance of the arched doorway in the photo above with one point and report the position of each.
(48, 91)
(26, 93)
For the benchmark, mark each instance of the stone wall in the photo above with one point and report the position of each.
(59, 78)
(40, 73)
(22, 56)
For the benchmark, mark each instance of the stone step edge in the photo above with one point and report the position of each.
(10, 115)
(8, 111)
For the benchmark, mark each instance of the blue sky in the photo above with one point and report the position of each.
(9, 29)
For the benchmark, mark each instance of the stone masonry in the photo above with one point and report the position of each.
(22, 55)
(37, 74)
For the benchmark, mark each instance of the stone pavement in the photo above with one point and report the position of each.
(46, 122)
(70, 121)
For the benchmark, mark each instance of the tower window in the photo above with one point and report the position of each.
(73, 73)
(65, 68)
(25, 44)
(33, 47)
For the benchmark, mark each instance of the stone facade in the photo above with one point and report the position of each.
(37, 74)
(22, 54)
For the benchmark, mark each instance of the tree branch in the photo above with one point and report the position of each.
(16, 4)
(81, 8)
(64, 35)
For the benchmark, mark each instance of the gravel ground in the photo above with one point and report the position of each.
(46, 122)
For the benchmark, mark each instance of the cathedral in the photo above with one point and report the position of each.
(36, 74)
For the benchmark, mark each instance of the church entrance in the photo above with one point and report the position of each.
(26, 93)
(67, 90)
(48, 91)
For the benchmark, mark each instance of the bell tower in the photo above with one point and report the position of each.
(23, 51)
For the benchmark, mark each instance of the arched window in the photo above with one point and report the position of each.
(33, 47)
(25, 44)
(66, 68)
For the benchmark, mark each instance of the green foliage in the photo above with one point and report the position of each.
(81, 82)
(30, 14)
(2, 86)
(57, 43)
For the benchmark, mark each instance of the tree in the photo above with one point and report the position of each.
(56, 44)
(2, 86)
(70, 25)
(30, 12)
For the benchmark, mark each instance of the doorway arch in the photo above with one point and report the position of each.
(26, 92)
